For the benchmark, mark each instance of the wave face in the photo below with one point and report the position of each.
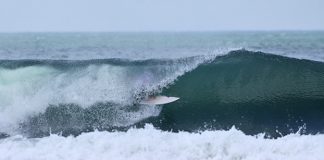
(254, 91)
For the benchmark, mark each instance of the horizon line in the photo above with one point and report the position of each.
(168, 31)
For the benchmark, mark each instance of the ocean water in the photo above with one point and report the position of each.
(243, 95)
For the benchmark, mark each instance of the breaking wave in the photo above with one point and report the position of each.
(254, 91)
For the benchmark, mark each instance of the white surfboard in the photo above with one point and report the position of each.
(157, 100)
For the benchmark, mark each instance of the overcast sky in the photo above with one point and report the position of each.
(160, 15)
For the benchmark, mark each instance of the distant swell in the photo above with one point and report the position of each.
(254, 91)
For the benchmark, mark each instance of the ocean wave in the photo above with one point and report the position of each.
(256, 92)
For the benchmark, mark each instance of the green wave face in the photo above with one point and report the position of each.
(256, 92)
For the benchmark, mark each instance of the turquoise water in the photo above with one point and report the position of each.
(76, 95)
(70, 83)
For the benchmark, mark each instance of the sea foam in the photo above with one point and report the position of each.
(151, 143)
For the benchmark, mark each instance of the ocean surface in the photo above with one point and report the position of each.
(243, 95)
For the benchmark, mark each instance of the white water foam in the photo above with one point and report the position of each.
(150, 143)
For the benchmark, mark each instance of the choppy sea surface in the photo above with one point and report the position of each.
(243, 95)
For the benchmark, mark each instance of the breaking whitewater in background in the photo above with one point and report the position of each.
(243, 95)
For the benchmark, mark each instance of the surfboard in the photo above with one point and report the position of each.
(158, 100)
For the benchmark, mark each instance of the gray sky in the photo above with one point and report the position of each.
(160, 15)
